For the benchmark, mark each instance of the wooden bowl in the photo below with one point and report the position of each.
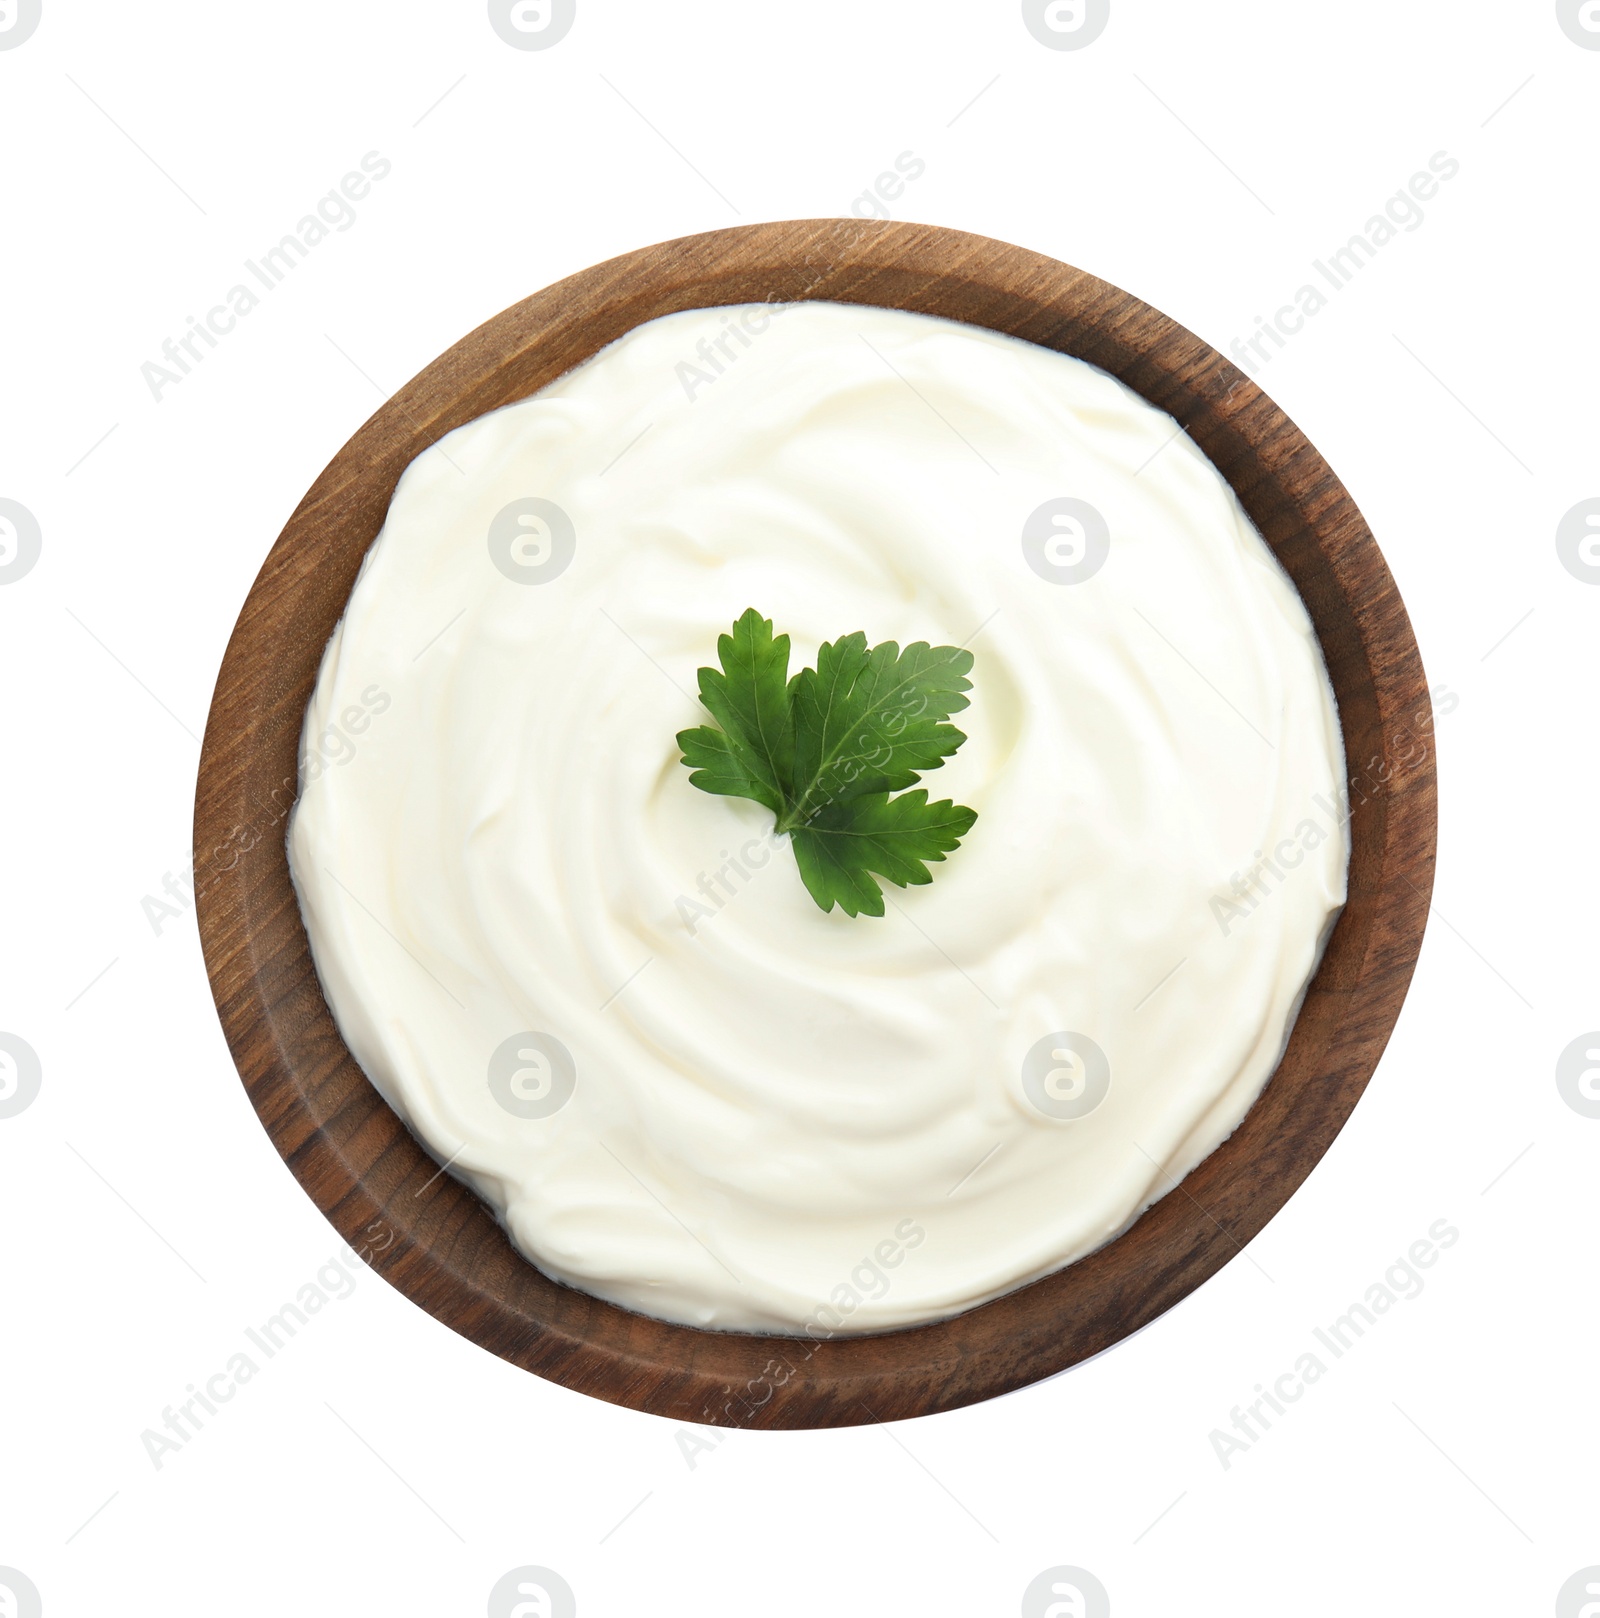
(429, 1235)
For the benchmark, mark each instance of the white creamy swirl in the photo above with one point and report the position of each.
(777, 1118)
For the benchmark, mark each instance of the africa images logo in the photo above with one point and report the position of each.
(19, 1595)
(1066, 1592)
(1580, 22)
(532, 1592)
(20, 540)
(21, 1076)
(532, 25)
(1066, 25)
(18, 19)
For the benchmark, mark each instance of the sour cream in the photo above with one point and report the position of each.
(605, 999)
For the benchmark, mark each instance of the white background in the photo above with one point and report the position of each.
(1198, 155)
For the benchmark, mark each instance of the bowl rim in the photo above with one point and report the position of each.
(426, 1232)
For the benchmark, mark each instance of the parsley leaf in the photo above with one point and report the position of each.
(824, 751)
(752, 756)
(892, 836)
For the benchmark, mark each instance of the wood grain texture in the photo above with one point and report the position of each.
(429, 1235)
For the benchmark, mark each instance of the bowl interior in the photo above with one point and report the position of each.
(429, 1235)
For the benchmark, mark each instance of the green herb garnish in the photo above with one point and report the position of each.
(824, 751)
